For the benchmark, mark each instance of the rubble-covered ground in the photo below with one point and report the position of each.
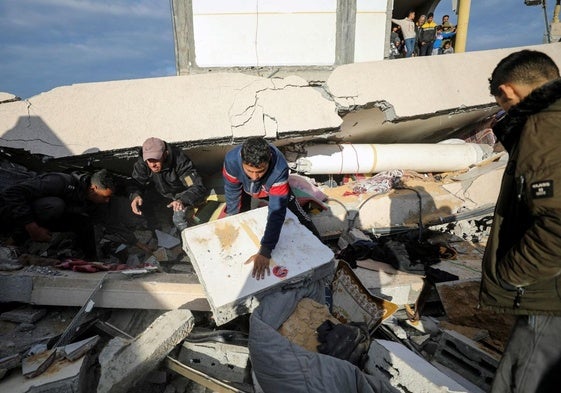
(444, 305)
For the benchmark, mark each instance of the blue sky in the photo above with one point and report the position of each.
(50, 43)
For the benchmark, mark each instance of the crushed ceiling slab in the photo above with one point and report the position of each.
(373, 102)
(91, 117)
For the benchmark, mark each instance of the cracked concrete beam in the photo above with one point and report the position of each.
(421, 86)
(202, 109)
(281, 106)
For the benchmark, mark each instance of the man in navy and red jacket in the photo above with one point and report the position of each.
(258, 169)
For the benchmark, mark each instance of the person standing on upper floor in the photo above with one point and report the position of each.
(447, 48)
(395, 43)
(409, 33)
(440, 36)
(173, 176)
(446, 25)
(420, 22)
(427, 36)
(521, 268)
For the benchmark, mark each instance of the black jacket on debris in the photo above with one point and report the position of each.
(522, 263)
(16, 201)
(178, 179)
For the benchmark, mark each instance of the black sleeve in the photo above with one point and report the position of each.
(195, 192)
(19, 197)
(140, 179)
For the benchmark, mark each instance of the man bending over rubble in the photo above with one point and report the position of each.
(173, 176)
(55, 202)
(521, 272)
(258, 169)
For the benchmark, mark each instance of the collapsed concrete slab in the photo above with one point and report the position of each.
(374, 100)
(126, 362)
(409, 372)
(201, 109)
(161, 291)
(382, 106)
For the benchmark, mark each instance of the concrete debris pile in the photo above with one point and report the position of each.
(143, 318)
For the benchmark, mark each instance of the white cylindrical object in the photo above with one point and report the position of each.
(373, 158)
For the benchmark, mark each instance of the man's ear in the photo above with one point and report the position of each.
(507, 91)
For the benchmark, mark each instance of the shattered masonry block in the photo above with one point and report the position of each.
(407, 370)
(125, 363)
(166, 240)
(458, 352)
(24, 315)
(15, 288)
(76, 350)
(221, 360)
(351, 237)
(161, 254)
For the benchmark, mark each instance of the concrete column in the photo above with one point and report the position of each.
(462, 28)
(555, 27)
(182, 18)
(346, 25)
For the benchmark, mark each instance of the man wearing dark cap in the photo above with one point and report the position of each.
(172, 175)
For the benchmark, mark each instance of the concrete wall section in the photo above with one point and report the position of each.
(91, 117)
(423, 85)
(423, 99)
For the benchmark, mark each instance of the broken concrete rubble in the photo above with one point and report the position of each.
(124, 362)
(354, 104)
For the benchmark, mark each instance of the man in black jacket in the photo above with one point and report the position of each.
(173, 176)
(521, 271)
(55, 202)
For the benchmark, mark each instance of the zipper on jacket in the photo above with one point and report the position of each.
(251, 188)
(520, 187)
(519, 292)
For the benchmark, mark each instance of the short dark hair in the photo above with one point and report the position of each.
(255, 151)
(526, 67)
(103, 180)
(430, 15)
(445, 16)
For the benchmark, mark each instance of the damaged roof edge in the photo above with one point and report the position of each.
(203, 110)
